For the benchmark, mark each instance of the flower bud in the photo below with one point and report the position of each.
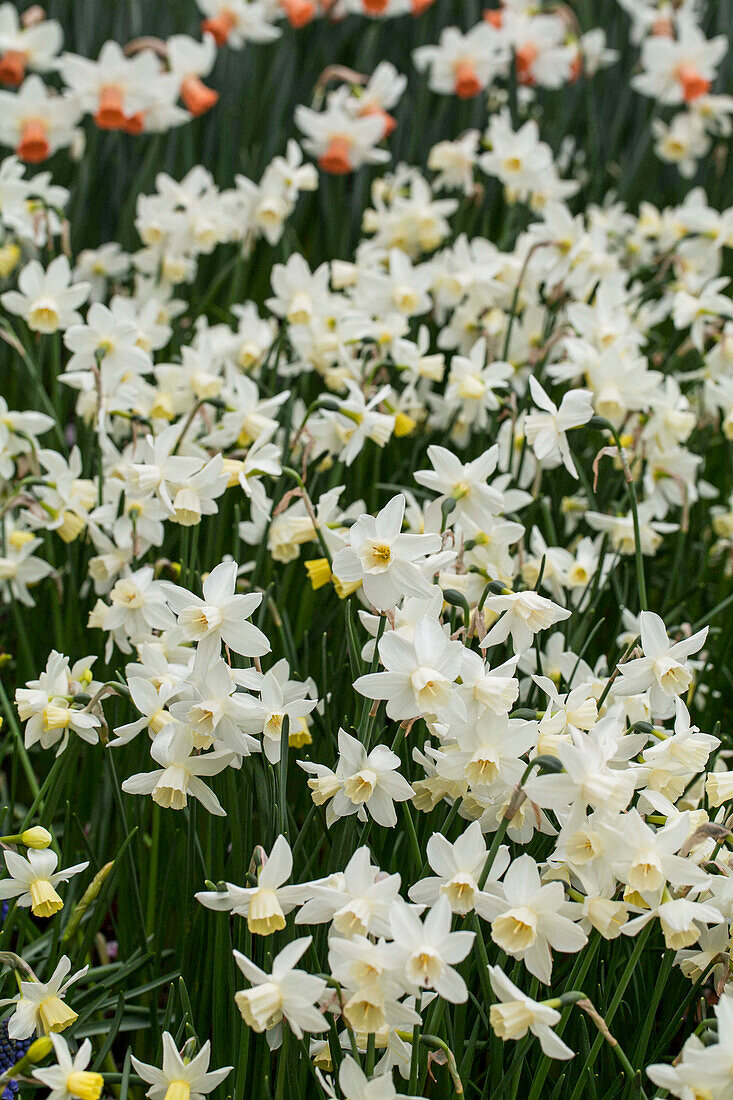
(37, 837)
(86, 900)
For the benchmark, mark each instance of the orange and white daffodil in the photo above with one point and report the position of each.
(40, 1007)
(285, 994)
(33, 880)
(679, 70)
(265, 905)
(182, 1077)
(26, 45)
(463, 64)
(36, 122)
(189, 61)
(339, 142)
(70, 1079)
(514, 1014)
(379, 95)
(235, 22)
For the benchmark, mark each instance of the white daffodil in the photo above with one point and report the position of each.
(524, 615)
(355, 1085)
(368, 783)
(356, 901)
(40, 1006)
(388, 563)
(266, 904)
(528, 918)
(285, 994)
(33, 880)
(420, 674)
(221, 616)
(515, 1014)
(664, 669)
(546, 431)
(181, 1078)
(427, 951)
(180, 772)
(46, 299)
(458, 868)
(70, 1079)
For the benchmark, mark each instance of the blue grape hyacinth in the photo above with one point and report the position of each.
(11, 1051)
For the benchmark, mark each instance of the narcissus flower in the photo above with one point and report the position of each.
(546, 431)
(664, 669)
(285, 994)
(427, 951)
(181, 1078)
(420, 674)
(180, 773)
(266, 904)
(35, 121)
(339, 142)
(515, 1014)
(22, 47)
(47, 300)
(33, 880)
(70, 1079)
(388, 563)
(190, 60)
(220, 616)
(524, 615)
(40, 1007)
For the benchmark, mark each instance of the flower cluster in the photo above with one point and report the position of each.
(366, 547)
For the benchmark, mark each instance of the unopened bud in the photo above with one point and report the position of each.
(37, 1051)
(37, 837)
(86, 900)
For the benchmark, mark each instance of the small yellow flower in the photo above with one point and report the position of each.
(44, 899)
(319, 572)
(404, 425)
(54, 1015)
(85, 1085)
(71, 527)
